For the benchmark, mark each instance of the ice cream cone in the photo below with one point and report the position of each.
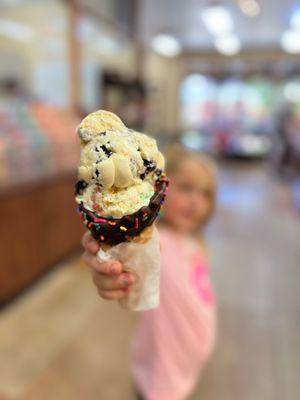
(120, 191)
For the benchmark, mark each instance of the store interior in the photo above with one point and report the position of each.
(219, 77)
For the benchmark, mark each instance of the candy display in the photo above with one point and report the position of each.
(119, 193)
(36, 141)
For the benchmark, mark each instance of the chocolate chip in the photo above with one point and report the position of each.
(146, 162)
(106, 150)
(80, 186)
(149, 165)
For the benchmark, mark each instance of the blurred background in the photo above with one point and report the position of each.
(221, 77)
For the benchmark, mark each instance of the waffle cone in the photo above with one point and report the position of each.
(144, 237)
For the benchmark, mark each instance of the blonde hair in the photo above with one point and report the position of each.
(175, 154)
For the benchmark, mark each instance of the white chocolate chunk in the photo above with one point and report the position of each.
(107, 171)
(123, 175)
(84, 135)
(84, 173)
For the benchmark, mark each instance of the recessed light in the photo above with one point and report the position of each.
(251, 8)
(166, 45)
(217, 20)
(228, 44)
(290, 41)
(295, 19)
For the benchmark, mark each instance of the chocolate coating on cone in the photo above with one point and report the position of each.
(112, 231)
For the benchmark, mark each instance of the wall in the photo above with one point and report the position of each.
(163, 76)
(41, 61)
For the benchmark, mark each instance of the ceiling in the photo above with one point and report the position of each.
(182, 18)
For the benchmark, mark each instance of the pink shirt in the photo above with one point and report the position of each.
(173, 341)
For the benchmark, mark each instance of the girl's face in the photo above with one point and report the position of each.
(188, 201)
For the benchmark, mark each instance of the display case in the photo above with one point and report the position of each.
(39, 226)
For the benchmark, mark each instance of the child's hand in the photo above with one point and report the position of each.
(111, 282)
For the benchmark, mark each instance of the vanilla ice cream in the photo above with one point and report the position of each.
(118, 167)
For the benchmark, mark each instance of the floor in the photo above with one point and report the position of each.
(61, 342)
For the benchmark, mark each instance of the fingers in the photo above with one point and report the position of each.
(89, 243)
(108, 268)
(92, 247)
(108, 283)
(113, 287)
(113, 294)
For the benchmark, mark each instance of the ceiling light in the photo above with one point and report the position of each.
(217, 20)
(15, 30)
(290, 41)
(251, 8)
(228, 45)
(295, 19)
(166, 45)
